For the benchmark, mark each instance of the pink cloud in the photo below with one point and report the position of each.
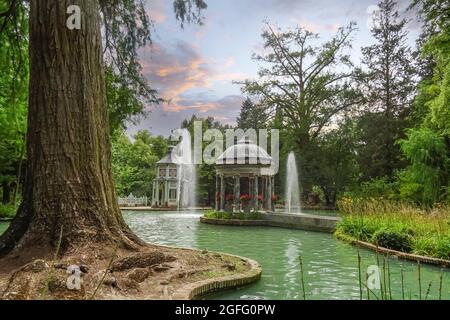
(176, 70)
(316, 27)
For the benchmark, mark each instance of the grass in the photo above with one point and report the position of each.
(7, 211)
(235, 215)
(397, 226)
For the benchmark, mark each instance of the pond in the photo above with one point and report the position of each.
(331, 266)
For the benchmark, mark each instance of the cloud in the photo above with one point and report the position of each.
(179, 69)
(162, 121)
(316, 27)
(224, 106)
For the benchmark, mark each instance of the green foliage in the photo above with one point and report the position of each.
(393, 239)
(388, 83)
(13, 93)
(252, 116)
(427, 146)
(304, 85)
(336, 170)
(430, 164)
(206, 184)
(134, 163)
(438, 246)
(127, 28)
(379, 188)
(397, 226)
(7, 211)
(124, 104)
(235, 215)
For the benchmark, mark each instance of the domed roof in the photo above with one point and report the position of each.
(245, 152)
(167, 159)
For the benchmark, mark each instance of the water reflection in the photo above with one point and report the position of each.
(331, 266)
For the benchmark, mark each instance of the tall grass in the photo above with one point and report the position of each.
(415, 230)
(385, 291)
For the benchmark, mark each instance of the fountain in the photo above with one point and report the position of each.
(187, 175)
(292, 202)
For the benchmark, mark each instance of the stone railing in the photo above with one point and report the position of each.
(132, 201)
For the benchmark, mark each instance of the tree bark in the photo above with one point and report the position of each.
(68, 183)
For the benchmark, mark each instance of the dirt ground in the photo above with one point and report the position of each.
(153, 272)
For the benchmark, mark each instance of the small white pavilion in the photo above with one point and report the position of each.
(165, 185)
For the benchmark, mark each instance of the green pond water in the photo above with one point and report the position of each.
(331, 267)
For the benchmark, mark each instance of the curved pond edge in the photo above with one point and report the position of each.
(306, 222)
(322, 224)
(403, 255)
(196, 290)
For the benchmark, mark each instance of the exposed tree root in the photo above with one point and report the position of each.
(109, 272)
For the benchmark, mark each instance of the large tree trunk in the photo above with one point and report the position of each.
(68, 184)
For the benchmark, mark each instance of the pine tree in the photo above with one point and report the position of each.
(389, 85)
(252, 116)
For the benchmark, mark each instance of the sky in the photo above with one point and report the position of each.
(193, 68)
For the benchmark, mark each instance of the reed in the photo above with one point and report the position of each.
(420, 280)
(359, 277)
(403, 283)
(302, 277)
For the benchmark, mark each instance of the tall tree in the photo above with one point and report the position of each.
(304, 87)
(307, 85)
(252, 116)
(69, 190)
(389, 86)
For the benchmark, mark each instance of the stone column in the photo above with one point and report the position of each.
(153, 193)
(157, 193)
(222, 193)
(166, 193)
(216, 195)
(255, 191)
(269, 191)
(266, 192)
(237, 193)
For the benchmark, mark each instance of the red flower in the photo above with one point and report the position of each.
(274, 197)
(260, 197)
(245, 197)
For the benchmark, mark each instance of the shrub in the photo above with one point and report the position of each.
(254, 216)
(218, 215)
(393, 239)
(228, 215)
(7, 211)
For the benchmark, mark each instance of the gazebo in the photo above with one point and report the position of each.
(247, 169)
